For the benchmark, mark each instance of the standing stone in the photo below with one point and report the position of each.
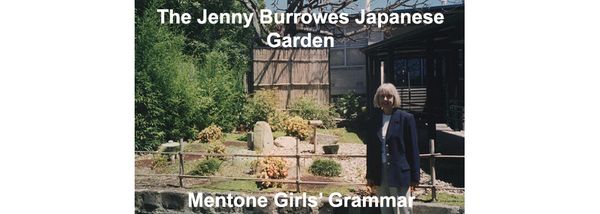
(250, 140)
(263, 137)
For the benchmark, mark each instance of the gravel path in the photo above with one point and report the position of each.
(353, 169)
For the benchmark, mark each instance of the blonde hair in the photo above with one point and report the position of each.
(386, 89)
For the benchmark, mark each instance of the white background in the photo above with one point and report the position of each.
(67, 106)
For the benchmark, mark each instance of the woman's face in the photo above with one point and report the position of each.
(386, 100)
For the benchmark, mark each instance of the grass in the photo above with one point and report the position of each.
(196, 147)
(250, 187)
(234, 137)
(344, 135)
(278, 134)
(446, 198)
(233, 186)
(243, 137)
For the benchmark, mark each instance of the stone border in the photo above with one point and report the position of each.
(169, 201)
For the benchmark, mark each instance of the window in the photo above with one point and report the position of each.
(355, 57)
(337, 57)
(409, 72)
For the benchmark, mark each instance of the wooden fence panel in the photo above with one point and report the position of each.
(293, 73)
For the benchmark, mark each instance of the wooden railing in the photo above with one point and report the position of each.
(432, 156)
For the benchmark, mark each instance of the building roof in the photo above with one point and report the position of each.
(451, 32)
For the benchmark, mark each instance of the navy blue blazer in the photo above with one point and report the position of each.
(402, 150)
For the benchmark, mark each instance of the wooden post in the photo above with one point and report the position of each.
(315, 124)
(432, 166)
(297, 166)
(315, 139)
(181, 172)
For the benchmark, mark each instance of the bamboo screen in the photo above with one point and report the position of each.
(292, 73)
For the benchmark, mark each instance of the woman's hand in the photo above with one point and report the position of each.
(371, 188)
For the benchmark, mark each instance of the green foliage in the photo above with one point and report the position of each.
(211, 133)
(221, 87)
(187, 76)
(297, 127)
(209, 166)
(269, 168)
(258, 108)
(308, 108)
(276, 120)
(325, 167)
(445, 198)
(159, 162)
(165, 96)
(350, 106)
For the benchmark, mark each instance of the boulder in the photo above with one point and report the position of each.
(263, 137)
(286, 142)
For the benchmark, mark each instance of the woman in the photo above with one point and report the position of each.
(392, 149)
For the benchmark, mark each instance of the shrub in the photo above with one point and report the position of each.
(325, 167)
(221, 92)
(350, 106)
(209, 166)
(297, 127)
(211, 133)
(309, 109)
(218, 149)
(269, 168)
(184, 79)
(165, 96)
(159, 161)
(276, 120)
(258, 108)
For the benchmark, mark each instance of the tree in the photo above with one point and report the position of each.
(187, 77)
(321, 6)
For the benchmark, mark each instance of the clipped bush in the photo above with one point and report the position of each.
(217, 149)
(159, 161)
(308, 108)
(209, 166)
(269, 168)
(210, 133)
(325, 167)
(276, 120)
(297, 127)
(258, 108)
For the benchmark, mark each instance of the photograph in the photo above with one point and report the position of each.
(299, 106)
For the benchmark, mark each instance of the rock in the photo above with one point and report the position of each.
(149, 201)
(168, 201)
(263, 137)
(285, 142)
(250, 140)
(172, 200)
(435, 208)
